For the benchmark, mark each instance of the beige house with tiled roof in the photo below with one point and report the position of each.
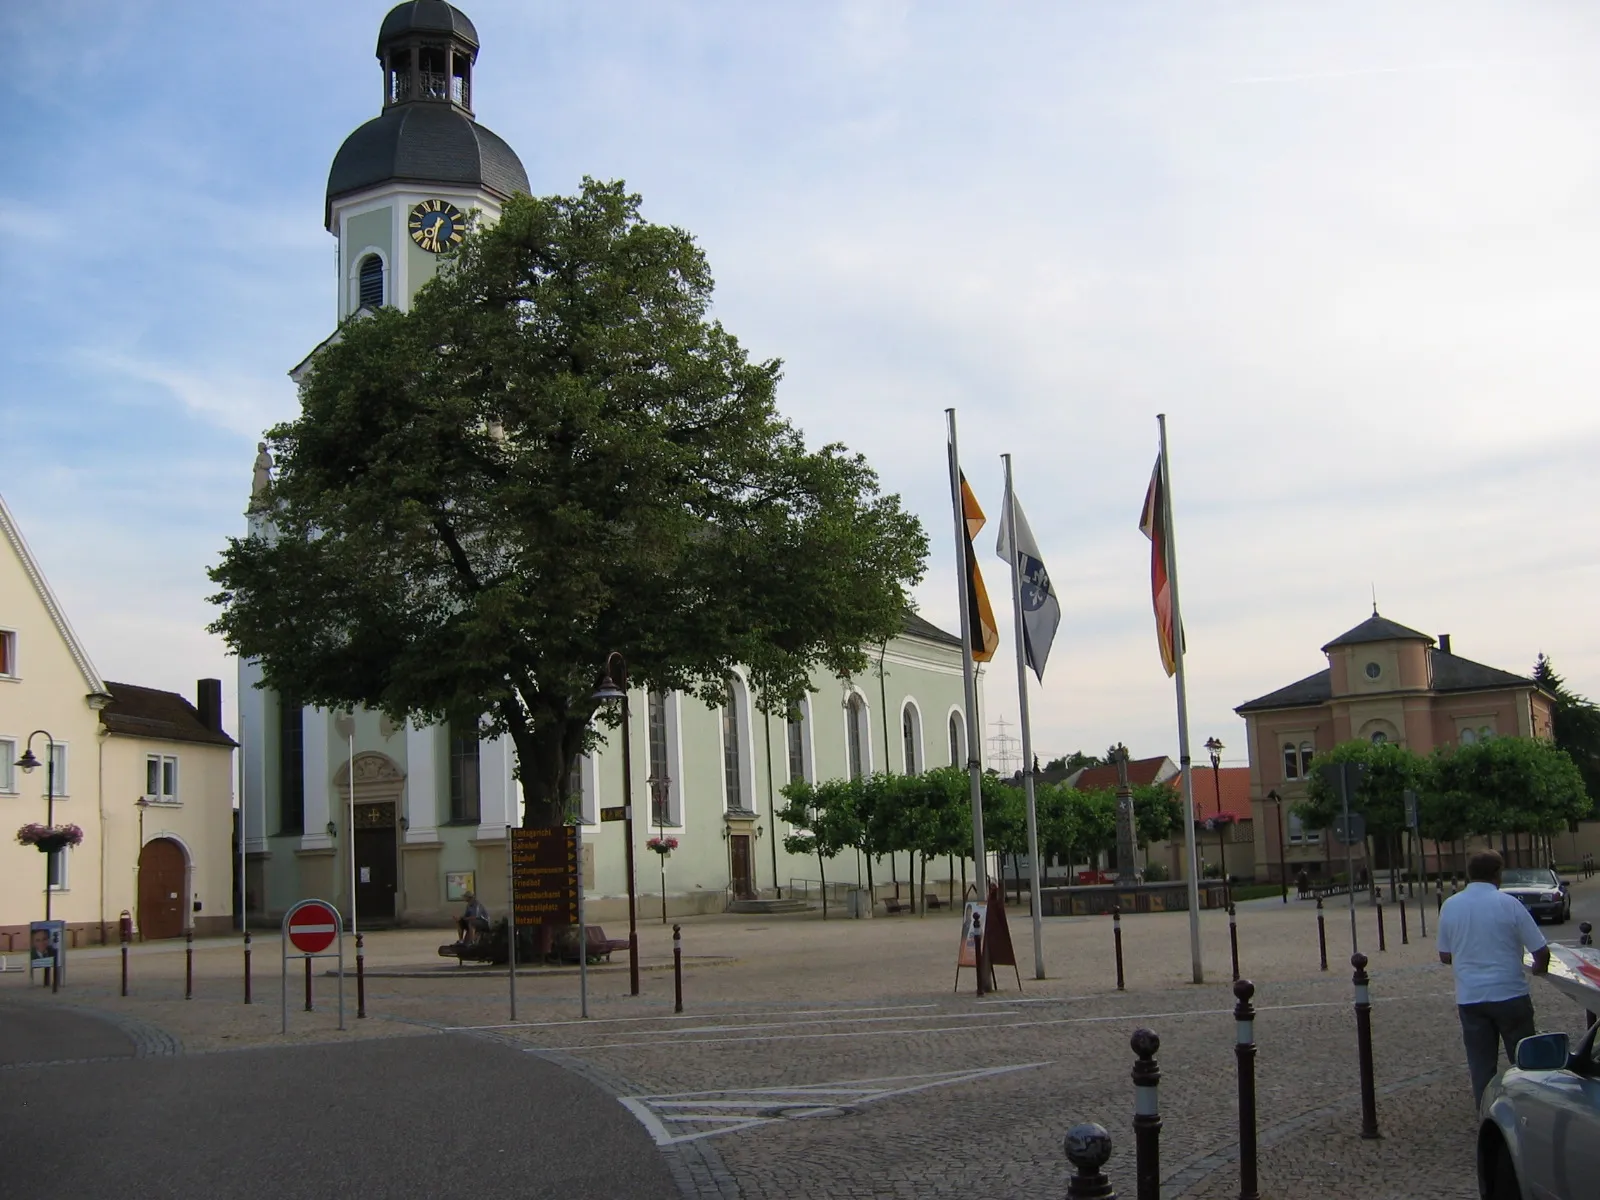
(142, 773)
(1383, 682)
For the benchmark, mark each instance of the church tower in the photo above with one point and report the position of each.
(402, 185)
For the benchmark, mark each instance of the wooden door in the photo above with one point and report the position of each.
(376, 874)
(163, 889)
(744, 887)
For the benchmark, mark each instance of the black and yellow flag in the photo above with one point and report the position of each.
(980, 616)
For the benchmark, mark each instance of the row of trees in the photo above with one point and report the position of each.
(1506, 787)
(929, 816)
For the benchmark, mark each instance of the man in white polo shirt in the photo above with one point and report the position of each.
(1482, 934)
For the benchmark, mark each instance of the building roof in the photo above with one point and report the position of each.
(1453, 674)
(30, 567)
(150, 713)
(918, 627)
(1232, 782)
(425, 144)
(1141, 771)
(1377, 629)
(426, 16)
(1313, 689)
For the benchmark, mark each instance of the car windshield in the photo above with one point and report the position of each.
(1528, 877)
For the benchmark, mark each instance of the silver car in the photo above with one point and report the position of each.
(1539, 1127)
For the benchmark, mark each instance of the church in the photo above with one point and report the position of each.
(396, 823)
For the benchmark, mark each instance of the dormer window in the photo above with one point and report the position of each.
(371, 282)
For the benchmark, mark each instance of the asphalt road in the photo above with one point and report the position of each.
(418, 1116)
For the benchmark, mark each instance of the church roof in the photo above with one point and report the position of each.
(929, 632)
(426, 16)
(1377, 629)
(429, 144)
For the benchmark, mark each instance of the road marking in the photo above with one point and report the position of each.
(800, 1012)
(864, 1033)
(845, 1021)
(675, 1117)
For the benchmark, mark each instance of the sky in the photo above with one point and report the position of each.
(1352, 250)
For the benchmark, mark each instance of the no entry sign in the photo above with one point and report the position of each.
(309, 929)
(312, 927)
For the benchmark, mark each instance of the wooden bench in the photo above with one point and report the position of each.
(598, 946)
(898, 906)
(931, 899)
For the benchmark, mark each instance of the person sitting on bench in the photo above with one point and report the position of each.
(472, 922)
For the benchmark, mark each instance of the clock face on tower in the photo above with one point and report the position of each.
(437, 226)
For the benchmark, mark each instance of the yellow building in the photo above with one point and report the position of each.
(144, 775)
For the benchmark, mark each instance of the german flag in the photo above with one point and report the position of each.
(980, 616)
(1153, 524)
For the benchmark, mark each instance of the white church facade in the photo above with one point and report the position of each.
(403, 819)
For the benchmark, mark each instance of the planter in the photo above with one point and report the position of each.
(53, 843)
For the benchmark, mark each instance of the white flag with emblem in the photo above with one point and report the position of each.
(1041, 611)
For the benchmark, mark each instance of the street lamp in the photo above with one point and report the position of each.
(660, 786)
(1214, 747)
(1283, 866)
(614, 687)
(28, 762)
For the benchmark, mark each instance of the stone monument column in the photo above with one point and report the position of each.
(1126, 841)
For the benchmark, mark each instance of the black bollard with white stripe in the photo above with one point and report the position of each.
(1146, 1114)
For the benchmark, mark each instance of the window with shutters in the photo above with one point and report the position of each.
(371, 285)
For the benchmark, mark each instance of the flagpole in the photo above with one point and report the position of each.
(969, 682)
(1187, 780)
(1027, 732)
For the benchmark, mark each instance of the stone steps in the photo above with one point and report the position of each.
(769, 907)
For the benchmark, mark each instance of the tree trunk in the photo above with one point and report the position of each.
(872, 898)
(924, 885)
(823, 874)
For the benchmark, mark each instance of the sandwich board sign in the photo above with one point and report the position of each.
(312, 929)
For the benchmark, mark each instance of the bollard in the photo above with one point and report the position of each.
(1244, 1015)
(247, 967)
(1088, 1148)
(1233, 939)
(979, 957)
(1369, 1096)
(1322, 934)
(1383, 942)
(125, 935)
(1585, 934)
(1422, 913)
(124, 968)
(361, 975)
(677, 968)
(188, 964)
(308, 984)
(1146, 1115)
(1405, 934)
(1116, 936)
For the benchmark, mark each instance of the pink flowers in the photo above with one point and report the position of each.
(49, 837)
(662, 845)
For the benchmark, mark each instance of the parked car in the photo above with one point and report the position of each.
(1541, 890)
(1539, 1124)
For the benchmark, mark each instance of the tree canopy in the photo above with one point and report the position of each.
(553, 455)
(1577, 726)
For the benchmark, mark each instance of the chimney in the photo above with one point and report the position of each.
(208, 700)
(1444, 643)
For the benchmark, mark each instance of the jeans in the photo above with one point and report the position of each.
(1485, 1028)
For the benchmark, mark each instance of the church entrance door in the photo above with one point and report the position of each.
(376, 874)
(744, 887)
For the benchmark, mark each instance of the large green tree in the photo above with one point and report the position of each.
(554, 454)
(1577, 726)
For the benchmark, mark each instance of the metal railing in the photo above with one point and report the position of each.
(812, 890)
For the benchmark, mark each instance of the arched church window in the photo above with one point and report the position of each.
(732, 754)
(910, 736)
(957, 758)
(371, 295)
(855, 718)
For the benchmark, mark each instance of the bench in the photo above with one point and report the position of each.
(898, 906)
(598, 946)
(931, 899)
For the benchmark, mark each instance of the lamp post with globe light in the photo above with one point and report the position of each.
(1214, 747)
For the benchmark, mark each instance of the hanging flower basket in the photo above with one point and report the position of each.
(1216, 821)
(662, 845)
(47, 839)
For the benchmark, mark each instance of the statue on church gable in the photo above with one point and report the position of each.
(263, 470)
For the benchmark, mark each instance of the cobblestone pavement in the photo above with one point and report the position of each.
(832, 1059)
